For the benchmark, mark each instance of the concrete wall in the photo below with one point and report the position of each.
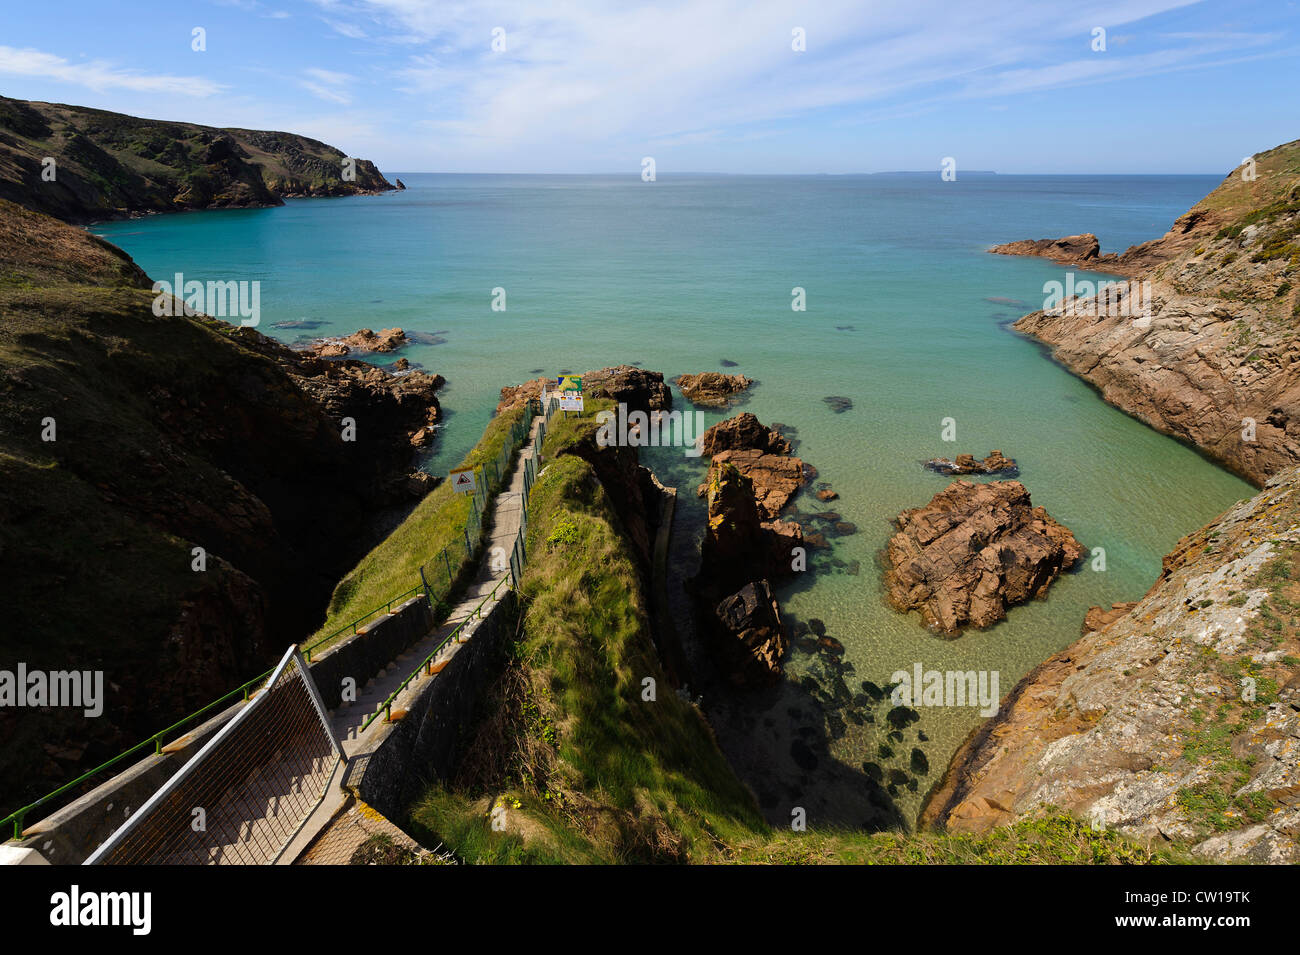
(69, 835)
(374, 647)
(425, 744)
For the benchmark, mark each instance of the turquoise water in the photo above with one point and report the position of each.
(681, 274)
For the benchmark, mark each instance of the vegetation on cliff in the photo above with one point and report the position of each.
(127, 440)
(108, 165)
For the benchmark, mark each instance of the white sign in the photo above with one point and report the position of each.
(462, 480)
(570, 402)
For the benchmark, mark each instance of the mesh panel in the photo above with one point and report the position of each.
(256, 784)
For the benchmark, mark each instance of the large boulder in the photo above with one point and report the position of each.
(974, 551)
(753, 634)
(712, 388)
(743, 432)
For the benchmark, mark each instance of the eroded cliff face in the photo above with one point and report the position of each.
(1209, 351)
(1176, 722)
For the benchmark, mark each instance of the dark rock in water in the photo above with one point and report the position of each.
(1001, 300)
(995, 463)
(874, 772)
(902, 716)
(826, 494)
(852, 568)
(830, 517)
(831, 645)
(845, 528)
(537, 371)
(920, 734)
(838, 403)
(816, 541)
(873, 691)
(920, 765)
(727, 363)
(894, 736)
(803, 756)
(846, 328)
(400, 186)
(897, 777)
(426, 338)
(885, 751)
(817, 627)
(298, 323)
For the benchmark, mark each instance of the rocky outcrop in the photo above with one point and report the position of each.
(968, 464)
(108, 165)
(712, 388)
(761, 455)
(744, 432)
(1082, 250)
(1202, 345)
(1175, 721)
(974, 551)
(365, 340)
(639, 389)
(755, 635)
(740, 544)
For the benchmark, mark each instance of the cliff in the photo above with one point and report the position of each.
(1207, 351)
(1175, 723)
(129, 439)
(108, 165)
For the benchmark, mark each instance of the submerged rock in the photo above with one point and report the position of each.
(974, 551)
(838, 403)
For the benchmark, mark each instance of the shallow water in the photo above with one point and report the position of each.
(684, 273)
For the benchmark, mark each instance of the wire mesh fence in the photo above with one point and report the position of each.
(245, 794)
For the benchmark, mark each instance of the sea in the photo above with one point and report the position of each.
(904, 313)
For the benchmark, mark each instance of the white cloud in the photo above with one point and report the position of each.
(100, 75)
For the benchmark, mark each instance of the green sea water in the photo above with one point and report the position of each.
(906, 316)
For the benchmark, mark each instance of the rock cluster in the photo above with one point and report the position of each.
(751, 478)
(972, 552)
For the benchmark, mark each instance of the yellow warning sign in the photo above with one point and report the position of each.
(462, 480)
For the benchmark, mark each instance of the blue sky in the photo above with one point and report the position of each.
(1009, 85)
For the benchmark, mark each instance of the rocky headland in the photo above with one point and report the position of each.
(111, 166)
(1210, 353)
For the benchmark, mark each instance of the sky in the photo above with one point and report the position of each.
(581, 86)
